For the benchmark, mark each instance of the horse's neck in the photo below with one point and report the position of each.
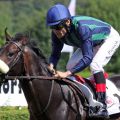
(35, 65)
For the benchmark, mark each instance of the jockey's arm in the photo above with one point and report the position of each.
(57, 46)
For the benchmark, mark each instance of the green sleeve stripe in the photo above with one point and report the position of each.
(99, 36)
(76, 19)
(93, 26)
(91, 18)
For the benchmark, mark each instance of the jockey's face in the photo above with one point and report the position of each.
(60, 30)
(60, 33)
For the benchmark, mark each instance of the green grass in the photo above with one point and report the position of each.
(14, 113)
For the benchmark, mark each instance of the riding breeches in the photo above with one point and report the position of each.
(102, 53)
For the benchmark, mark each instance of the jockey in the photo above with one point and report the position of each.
(96, 41)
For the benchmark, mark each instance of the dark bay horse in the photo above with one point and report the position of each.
(47, 99)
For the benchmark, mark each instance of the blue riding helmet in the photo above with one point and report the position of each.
(56, 14)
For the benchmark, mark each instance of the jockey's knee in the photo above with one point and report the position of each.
(95, 67)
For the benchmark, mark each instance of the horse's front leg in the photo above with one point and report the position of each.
(31, 116)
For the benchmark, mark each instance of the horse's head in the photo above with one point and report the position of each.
(11, 54)
(19, 56)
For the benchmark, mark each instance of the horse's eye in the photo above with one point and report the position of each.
(10, 54)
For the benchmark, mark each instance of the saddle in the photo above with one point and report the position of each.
(76, 89)
(87, 87)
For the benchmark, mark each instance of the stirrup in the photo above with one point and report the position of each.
(97, 112)
(93, 110)
(103, 113)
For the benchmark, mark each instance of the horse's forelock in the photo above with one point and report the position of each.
(31, 44)
(19, 36)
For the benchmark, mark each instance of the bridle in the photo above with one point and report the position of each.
(20, 53)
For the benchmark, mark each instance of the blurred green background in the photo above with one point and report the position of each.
(30, 16)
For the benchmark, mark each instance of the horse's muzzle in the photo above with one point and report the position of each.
(4, 68)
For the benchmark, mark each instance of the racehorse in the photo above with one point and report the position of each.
(48, 98)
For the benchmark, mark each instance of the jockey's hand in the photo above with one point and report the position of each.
(60, 74)
(51, 69)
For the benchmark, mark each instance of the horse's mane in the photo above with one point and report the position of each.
(31, 44)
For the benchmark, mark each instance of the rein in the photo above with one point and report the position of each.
(32, 77)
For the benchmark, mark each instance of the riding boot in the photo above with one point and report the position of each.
(101, 96)
(102, 112)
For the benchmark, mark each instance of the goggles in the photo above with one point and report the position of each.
(58, 27)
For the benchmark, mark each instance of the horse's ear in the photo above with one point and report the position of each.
(7, 36)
